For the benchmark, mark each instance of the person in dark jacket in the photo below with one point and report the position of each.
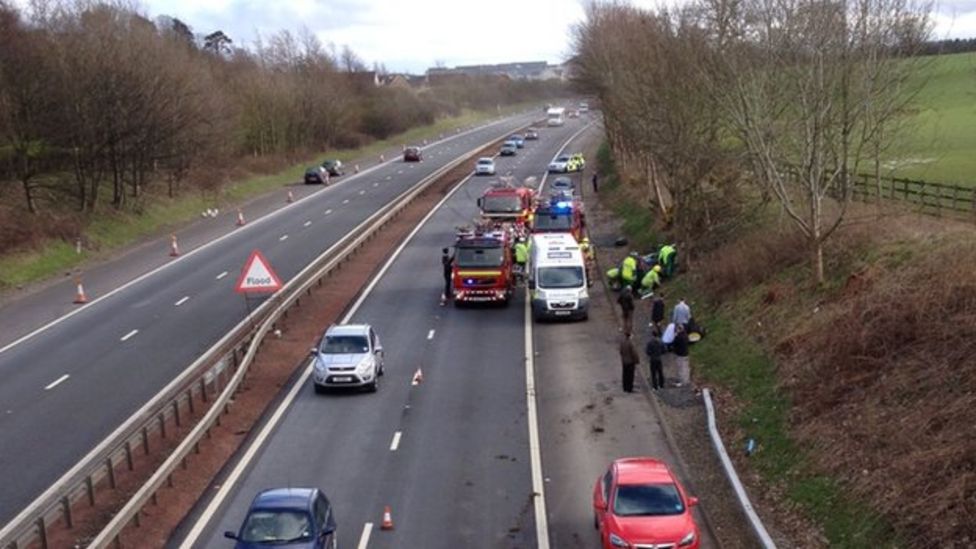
(654, 351)
(680, 348)
(629, 361)
(626, 301)
(596, 182)
(447, 263)
(657, 310)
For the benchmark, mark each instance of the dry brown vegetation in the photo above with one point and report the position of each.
(880, 366)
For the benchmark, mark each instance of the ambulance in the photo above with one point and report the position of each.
(557, 277)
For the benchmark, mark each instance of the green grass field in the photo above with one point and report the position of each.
(938, 143)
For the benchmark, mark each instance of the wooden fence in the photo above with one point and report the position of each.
(929, 198)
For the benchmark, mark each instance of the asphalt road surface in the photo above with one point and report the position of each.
(452, 455)
(70, 385)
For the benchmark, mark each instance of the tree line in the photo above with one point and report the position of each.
(712, 104)
(99, 104)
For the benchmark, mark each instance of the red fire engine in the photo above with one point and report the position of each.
(483, 266)
(505, 202)
(561, 214)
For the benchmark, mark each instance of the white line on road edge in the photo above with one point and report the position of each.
(56, 382)
(198, 249)
(396, 441)
(272, 424)
(282, 238)
(128, 335)
(182, 301)
(535, 454)
(364, 539)
(740, 492)
(308, 223)
(430, 334)
(222, 275)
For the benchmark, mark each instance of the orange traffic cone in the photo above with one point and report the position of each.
(240, 218)
(291, 197)
(387, 519)
(174, 249)
(418, 377)
(80, 297)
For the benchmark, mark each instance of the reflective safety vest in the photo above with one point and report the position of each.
(521, 252)
(665, 253)
(628, 269)
(650, 280)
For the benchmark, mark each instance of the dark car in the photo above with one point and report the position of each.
(288, 517)
(531, 134)
(333, 167)
(316, 175)
(518, 139)
(413, 154)
(509, 148)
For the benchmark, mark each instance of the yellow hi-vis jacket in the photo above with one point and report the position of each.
(650, 280)
(521, 252)
(628, 269)
(665, 253)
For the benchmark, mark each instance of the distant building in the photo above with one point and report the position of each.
(533, 70)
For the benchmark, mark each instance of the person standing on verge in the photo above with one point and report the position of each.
(682, 314)
(596, 182)
(680, 348)
(626, 301)
(657, 311)
(654, 351)
(629, 361)
(447, 263)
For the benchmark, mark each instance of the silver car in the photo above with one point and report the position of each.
(349, 355)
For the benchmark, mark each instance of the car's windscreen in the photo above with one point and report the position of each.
(479, 257)
(312, 171)
(502, 204)
(549, 222)
(485, 162)
(345, 344)
(276, 526)
(562, 159)
(634, 500)
(560, 277)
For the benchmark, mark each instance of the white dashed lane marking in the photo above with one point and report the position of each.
(129, 335)
(183, 300)
(308, 223)
(362, 192)
(430, 334)
(364, 539)
(283, 238)
(327, 212)
(56, 382)
(346, 201)
(396, 441)
(222, 275)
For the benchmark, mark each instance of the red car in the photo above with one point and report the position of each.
(639, 503)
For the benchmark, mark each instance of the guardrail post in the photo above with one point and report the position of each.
(42, 532)
(203, 388)
(66, 511)
(176, 411)
(162, 424)
(189, 401)
(110, 468)
(128, 455)
(145, 441)
(90, 489)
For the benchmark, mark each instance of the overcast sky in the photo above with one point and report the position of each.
(411, 35)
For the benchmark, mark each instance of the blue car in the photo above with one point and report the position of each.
(288, 518)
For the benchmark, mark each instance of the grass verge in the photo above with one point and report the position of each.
(113, 230)
(731, 358)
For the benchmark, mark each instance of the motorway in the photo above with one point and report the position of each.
(452, 456)
(70, 384)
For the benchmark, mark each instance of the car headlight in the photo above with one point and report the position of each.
(319, 365)
(687, 540)
(584, 294)
(618, 541)
(365, 366)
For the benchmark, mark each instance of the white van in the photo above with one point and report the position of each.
(555, 116)
(557, 277)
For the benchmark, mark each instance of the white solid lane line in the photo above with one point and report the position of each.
(283, 238)
(364, 539)
(430, 334)
(222, 275)
(127, 336)
(308, 223)
(396, 441)
(56, 382)
(182, 301)
(535, 455)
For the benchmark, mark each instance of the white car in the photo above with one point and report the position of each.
(560, 164)
(349, 355)
(484, 166)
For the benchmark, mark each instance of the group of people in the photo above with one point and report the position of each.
(674, 338)
(644, 274)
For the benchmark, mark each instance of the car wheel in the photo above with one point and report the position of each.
(596, 522)
(375, 385)
(319, 390)
(382, 369)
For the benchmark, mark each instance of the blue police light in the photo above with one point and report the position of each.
(563, 205)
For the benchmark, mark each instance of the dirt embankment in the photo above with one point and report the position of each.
(880, 364)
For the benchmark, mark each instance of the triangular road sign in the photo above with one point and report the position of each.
(257, 276)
